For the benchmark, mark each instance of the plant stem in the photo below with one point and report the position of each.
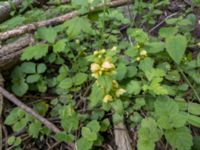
(189, 83)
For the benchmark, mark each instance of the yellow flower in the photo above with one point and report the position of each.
(95, 67)
(107, 65)
(114, 48)
(96, 53)
(103, 51)
(115, 84)
(138, 59)
(120, 92)
(137, 46)
(143, 53)
(107, 98)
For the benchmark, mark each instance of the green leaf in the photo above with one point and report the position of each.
(62, 136)
(196, 141)
(105, 82)
(84, 144)
(78, 25)
(118, 107)
(194, 108)
(59, 46)
(41, 68)
(121, 71)
(80, 78)
(47, 34)
(146, 64)
(96, 96)
(173, 76)
(176, 47)
(155, 47)
(117, 118)
(20, 88)
(172, 121)
(66, 83)
(179, 138)
(194, 120)
(41, 107)
(20, 124)
(34, 129)
(94, 126)
(134, 87)
(166, 32)
(11, 140)
(35, 52)
(33, 78)
(28, 67)
(148, 134)
(88, 134)
(165, 106)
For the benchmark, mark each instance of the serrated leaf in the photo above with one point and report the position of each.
(121, 71)
(59, 46)
(62, 136)
(176, 47)
(194, 108)
(148, 134)
(34, 129)
(20, 88)
(194, 120)
(35, 52)
(78, 25)
(146, 64)
(179, 138)
(28, 67)
(80, 78)
(155, 47)
(167, 31)
(134, 87)
(88, 134)
(84, 144)
(173, 76)
(94, 126)
(11, 140)
(47, 34)
(33, 78)
(41, 68)
(66, 83)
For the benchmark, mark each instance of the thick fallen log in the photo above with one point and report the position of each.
(7, 7)
(9, 53)
(55, 21)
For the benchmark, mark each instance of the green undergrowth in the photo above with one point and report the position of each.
(98, 74)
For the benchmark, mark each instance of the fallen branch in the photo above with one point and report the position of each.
(27, 109)
(55, 21)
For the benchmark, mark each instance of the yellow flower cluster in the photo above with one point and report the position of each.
(116, 90)
(103, 65)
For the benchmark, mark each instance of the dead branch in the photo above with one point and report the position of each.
(27, 109)
(55, 21)
(122, 139)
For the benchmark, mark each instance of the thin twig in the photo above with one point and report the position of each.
(189, 83)
(160, 23)
(27, 109)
